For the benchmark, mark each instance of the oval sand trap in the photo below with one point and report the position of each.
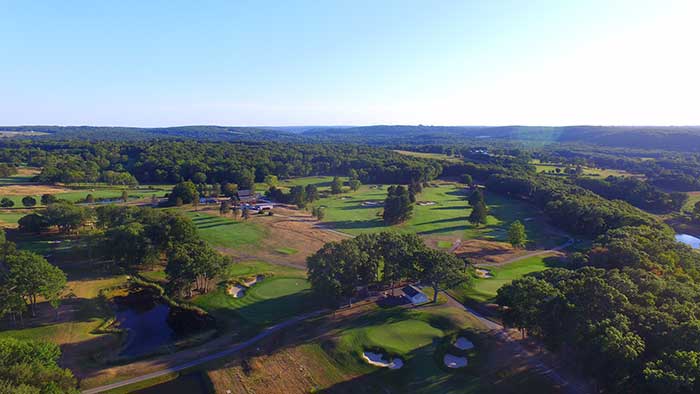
(452, 361)
(482, 273)
(377, 360)
(463, 343)
(236, 291)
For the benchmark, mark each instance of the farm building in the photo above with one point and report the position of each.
(247, 196)
(413, 294)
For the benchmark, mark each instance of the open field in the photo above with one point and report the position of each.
(9, 218)
(587, 171)
(16, 192)
(323, 183)
(436, 156)
(225, 231)
(445, 221)
(484, 289)
(288, 237)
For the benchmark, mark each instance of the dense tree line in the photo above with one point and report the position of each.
(570, 207)
(172, 161)
(339, 269)
(639, 193)
(632, 330)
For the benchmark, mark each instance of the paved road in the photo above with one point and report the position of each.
(224, 353)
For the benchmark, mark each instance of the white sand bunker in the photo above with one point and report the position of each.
(463, 343)
(452, 361)
(425, 203)
(253, 281)
(236, 291)
(346, 198)
(377, 360)
(482, 273)
(371, 203)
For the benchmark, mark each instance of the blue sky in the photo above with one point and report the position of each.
(161, 63)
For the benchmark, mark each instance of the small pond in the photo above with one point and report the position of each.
(146, 324)
(151, 323)
(693, 242)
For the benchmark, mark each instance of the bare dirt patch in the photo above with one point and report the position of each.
(491, 252)
(287, 229)
(30, 190)
(28, 171)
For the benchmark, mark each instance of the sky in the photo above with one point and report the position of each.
(356, 62)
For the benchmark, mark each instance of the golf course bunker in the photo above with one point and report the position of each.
(377, 360)
(426, 203)
(463, 343)
(236, 291)
(483, 273)
(253, 281)
(372, 203)
(452, 361)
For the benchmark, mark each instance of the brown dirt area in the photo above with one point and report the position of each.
(30, 190)
(289, 228)
(28, 171)
(488, 252)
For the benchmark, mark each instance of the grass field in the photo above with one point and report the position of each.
(10, 218)
(448, 216)
(322, 182)
(225, 231)
(484, 289)
(16, 193)
(286, 250)
(283, 293)
(587, 171)
(693, 198)
(436, 156)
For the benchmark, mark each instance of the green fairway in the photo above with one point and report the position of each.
(323, 183)
(10, 217)
(354, 213)
(693, 198)
(99, 193)
(444, 244)
(485, 289)
(587, 171)
(287, 251)
(284, 292)
(16, 179)
(226, 232)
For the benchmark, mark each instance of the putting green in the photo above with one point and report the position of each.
(279, 287)
(404, 336)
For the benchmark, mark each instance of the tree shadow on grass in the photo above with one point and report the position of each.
(355, 224)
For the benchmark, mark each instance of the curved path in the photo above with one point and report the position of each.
(557, 248)
(214, 356)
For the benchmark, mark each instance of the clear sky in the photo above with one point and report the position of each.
(326, 62)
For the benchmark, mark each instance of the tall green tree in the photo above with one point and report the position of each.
(311, 192)
(28, 201)
(439, 269)
(31, 367)
(397, 206)
(193, 266)
(336, 185)
(32, 276)
(185, 191)
(479, 214)
(517, 235)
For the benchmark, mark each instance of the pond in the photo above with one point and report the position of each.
(151, 323)
(146, 324)
(693, 242)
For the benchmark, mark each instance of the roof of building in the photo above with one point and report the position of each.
(411, 290)
(245, 193)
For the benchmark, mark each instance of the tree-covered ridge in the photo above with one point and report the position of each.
(170, 161)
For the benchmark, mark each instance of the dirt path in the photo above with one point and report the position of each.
(202, 359)
(533, 359)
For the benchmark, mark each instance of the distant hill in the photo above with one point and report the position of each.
(209, 133)
(680, 138)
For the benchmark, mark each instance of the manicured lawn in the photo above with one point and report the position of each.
(11, 218)
(322, 183)
(225, 231)
(448, 216)
(109, 193)
(485, 289)
(287, 251)
(283, 293)
(16, 179)
(601, 173)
